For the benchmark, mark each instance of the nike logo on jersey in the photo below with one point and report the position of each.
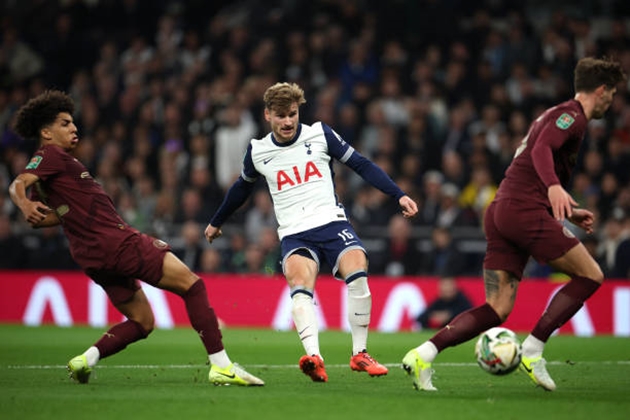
(266, 161)
(349, 243)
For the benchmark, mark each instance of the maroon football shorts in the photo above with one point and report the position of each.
(515, 232)
(139, 258)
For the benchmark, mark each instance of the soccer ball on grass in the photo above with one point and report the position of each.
(498, 351)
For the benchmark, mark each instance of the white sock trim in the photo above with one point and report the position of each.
(92, 355)
(533, 347)
(220, 359)
(427, 351)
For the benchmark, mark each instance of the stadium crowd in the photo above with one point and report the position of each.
(437, 93)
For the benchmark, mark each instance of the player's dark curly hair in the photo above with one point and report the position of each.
(40, 112)
(591, 73)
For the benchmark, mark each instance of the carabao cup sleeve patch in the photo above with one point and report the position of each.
(564, 121)
(34, 163)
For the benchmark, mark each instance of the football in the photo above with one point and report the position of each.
(498, 351)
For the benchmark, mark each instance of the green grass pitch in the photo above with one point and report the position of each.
(164, 377)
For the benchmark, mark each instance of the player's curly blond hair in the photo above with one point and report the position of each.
(280, 96)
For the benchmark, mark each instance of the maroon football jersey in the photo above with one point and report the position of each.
(547, 154)
(89, 219)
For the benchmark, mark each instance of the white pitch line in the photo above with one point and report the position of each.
(289, 366)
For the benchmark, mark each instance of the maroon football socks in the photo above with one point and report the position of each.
(564, 305)
(465, 326)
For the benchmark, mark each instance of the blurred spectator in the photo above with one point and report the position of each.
(449, 303)
(270, 246)
(360, 66)
(12, 251)
(614, 234)
(252, 260)
(48, 249)
(491, 125)
(236, 129)
(433, 181)
(202, 180)
(621, 268)
(444, 258)
(191, 207)
(191, 249)
(235, 254)
(260, 217)
(17, 59)
(453, 169)
(450, 213)
(211, 261)
(401, 255)
(479, 192)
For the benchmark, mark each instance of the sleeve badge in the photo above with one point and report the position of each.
(564, 121)
(34, 163)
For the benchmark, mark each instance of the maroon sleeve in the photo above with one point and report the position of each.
(551, 138)
(46, 162)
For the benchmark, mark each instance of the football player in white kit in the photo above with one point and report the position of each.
(296, 161)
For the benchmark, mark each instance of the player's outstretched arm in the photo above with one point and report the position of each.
(235, 197)
(409, 207)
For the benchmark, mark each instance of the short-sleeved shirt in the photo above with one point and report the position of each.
(89, 219)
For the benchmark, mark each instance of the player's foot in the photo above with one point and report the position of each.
(233, 375)
(79, 369)
(535, 368)
(420, 370)
(363, 362)
(313, 366)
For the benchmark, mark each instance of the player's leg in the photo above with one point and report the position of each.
(131, 302)
(501, 287)
(352, 267)
(503, 267)
(179, 279)
(586, 277)
(300, 270)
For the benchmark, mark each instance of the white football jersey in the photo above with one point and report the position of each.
(300, 176)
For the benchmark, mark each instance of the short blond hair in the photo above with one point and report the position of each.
(280, 96)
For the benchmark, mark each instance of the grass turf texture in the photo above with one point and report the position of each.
(164, 377)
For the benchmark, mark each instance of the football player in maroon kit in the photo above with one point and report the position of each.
(112, 253)
(526, 219)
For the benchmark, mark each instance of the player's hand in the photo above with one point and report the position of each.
(35, 212)
(212, 233)
(583, 219)
(561, 202)
(409, 207)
